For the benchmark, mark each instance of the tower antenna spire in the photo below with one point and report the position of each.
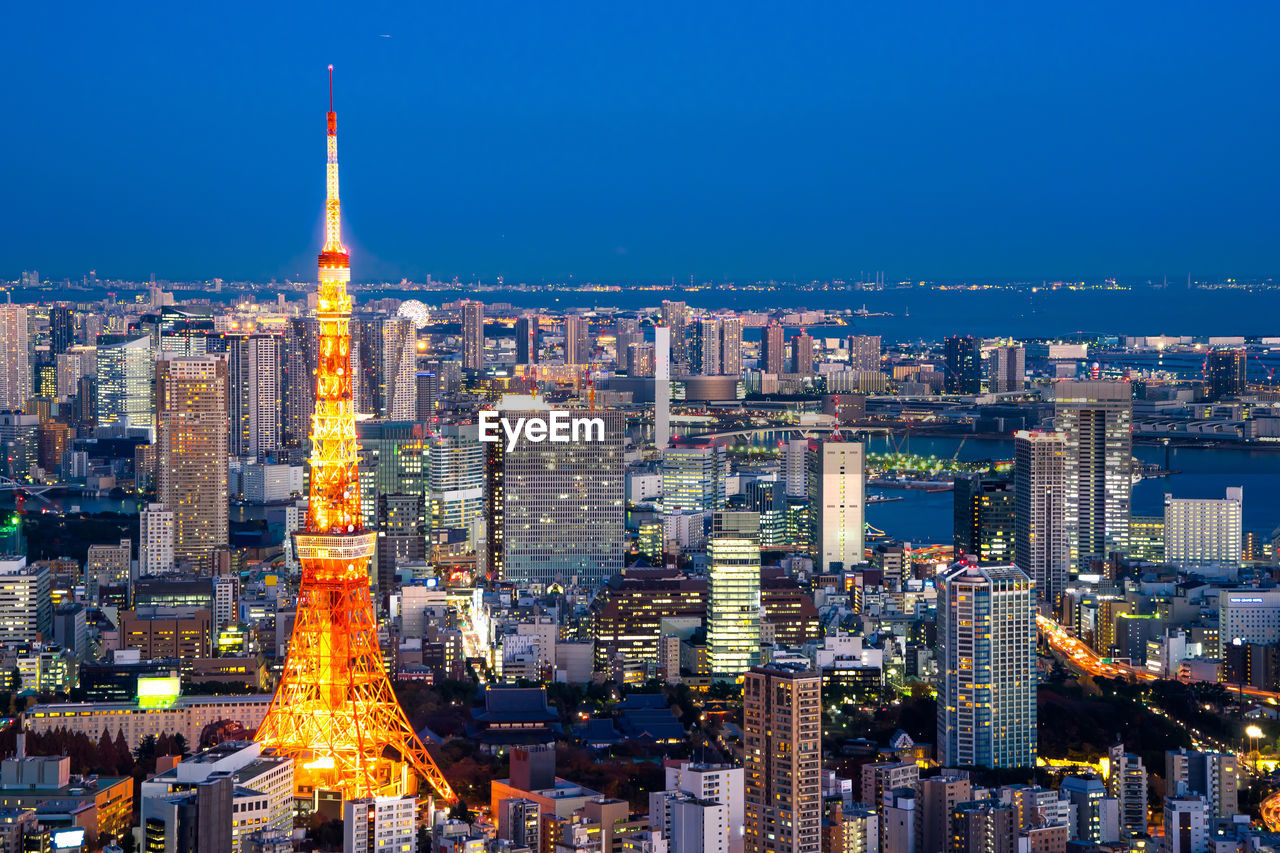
(330, 88)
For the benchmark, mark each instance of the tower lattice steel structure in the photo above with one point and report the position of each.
(334, 712)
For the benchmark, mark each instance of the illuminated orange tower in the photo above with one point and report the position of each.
(335, 713)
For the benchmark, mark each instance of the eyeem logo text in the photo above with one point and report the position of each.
(556, 427)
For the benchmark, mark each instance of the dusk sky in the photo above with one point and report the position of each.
(643, 141)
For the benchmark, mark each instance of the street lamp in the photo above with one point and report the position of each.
(1254, 733)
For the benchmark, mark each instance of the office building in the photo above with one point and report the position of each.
(527, 339)
(837, 503)
(254, 394)
(716, 783)
(15, 356)
(638, 360)
(661, 387)
(156, 537)
(560, 505)
(62, 329)
(125, 381)
(1127, 784)
(730, 346)
(1249, 616)
(983, 826)
(986, 665)
(191, 452)
(26, 608)
(108, 565)
(1225, 371)
(1215, 776)
(380, 825)
(802, 354)
(782, 756)
(1204, 536)
(577, 339)
(1095, 419)
(733, 595)
(1096, 820)
(773, 353)
(472, 335)
(962, 356)
(1006, 369)
(864, 352)
(693, 478)
(1040, 510)
(939, 797)
(983, 518)
(299, 383)
(899, 821)
(197, 820)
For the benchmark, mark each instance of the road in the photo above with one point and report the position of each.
(1087, 660)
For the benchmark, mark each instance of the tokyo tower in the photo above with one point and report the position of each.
(334, 712)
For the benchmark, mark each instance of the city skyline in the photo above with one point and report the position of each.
(679, 156)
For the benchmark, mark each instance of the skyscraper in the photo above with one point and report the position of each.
(299, 389)
(1040, 510)
(733, 596)
(472, 335)
(254, 374)
(983, 518)
(62, 329)
(986, 663)
(661, 387)
(963, 360)
(191, 453)
(802, 354)
(15, 365)
(156, 539)
(693, 477)
(1006, 369)
(527, 339)
(626, 331)
(704, 347)
(773, 354)
(399, 369)
(562, 509)
(577, 340)
(1225, 370)
(1127, 783)
(1215, 776)
(731, 346)
(864, 352)
(1095, 418)
(782, 758)
(837, 503)
(675, 315)
(639, 360)
(126, 381)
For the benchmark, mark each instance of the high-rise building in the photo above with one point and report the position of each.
(717, 783)
(577, 339)
(1040, 507)
(661, 387)
(191, 452)
(962, 356)
(704, 347)
(562, 507)
(62, 329)
(1094, 815)
(731, 346)
(156, 537)
(1095, 419)
(987, 667)
(399, 369)
(939, 797)
(626, 332)
(1225, 369)
(1127, 783)
(983, 518)
(196, 820)
(527, 339)
(638, 360)
(1186, 825)
(782, 758)
(864, 352)
(1006, 369)
(380, 825)
(802, 354)
(126, 381)
(773, 351)
(1215, 776)
(26, 608)
(675, 316)
(472, 335)
(1248, 615)
(693, 477)
(15, 358)
(733, 595)
(254, 394)
(1204, 535)
(837, 503)
(983, 826)
(299, 381)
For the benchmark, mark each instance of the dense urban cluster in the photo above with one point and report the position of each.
(604, 581)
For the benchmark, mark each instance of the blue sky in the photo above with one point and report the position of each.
(643, 141)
